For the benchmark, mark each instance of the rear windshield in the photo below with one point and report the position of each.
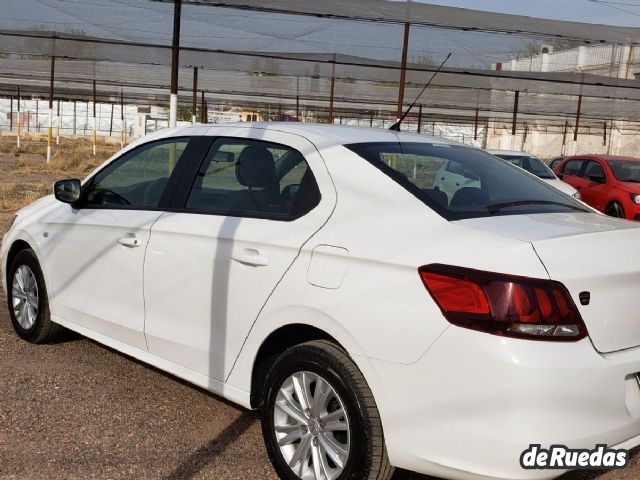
(530, 164)
(460, 182)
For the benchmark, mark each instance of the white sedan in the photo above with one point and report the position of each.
(315, 273)
(537, 167)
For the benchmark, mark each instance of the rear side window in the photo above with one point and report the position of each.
(572, 167)
(255, 179)
(460, 182)
(554, 163)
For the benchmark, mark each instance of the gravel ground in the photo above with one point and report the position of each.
(78, 410)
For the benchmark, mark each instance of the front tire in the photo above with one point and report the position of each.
(614, 210)
(27, 300)
(319, 418)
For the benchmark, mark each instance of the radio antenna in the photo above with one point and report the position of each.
(396, 126)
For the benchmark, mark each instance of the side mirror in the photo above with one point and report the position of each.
(559, 175)
(597, 178)
(67, 191)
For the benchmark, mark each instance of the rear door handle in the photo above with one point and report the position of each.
(250, 257)
(129, 240)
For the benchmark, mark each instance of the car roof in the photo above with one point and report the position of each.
(606, 158)
(317, 133)
(514, 153)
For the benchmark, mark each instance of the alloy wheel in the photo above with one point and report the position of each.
(24, 295)
(311, 427)
(615, 210)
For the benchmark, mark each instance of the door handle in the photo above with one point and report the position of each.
(129, 241)
(250, 257)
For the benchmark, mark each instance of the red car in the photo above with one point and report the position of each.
(607, 183)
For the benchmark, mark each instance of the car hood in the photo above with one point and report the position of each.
(560, 185)
(587, 252)
(630, 187)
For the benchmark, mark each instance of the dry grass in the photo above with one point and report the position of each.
(14, 196)
(5, 218)
(25, 175)
(73, 157)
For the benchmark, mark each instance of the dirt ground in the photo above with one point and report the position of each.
(78, 410)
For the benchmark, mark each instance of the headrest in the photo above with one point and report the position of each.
(255, 167)
(469, 197)
(437, 196)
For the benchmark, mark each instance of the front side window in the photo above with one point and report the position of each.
(594, 169)
(138, 178)
(251, 178)
(461, 182)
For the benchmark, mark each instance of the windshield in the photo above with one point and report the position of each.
(625, 170)
(530, 164)
(460, 182)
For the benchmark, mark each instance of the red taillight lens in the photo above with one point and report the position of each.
(457, 294)
(504, 304)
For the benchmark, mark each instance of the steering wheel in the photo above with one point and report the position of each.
(110, 197)
(153, 190)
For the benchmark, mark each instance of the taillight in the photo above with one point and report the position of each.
(504, 305)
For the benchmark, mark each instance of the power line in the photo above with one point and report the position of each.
(621, 3)
(612, 5)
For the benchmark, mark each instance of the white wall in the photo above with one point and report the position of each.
(546, 142)
(83, 117)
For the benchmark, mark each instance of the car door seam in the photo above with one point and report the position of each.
(144, 276)
(540, 258)
(313, 234)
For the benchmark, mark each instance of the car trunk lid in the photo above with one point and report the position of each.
(587, 253)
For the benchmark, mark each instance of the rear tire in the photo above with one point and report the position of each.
(28, 302)
(342, 427)
(614, 209)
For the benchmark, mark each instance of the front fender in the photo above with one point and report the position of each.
(13, 236)
(30, 227)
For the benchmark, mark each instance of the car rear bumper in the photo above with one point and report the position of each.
(474, 402)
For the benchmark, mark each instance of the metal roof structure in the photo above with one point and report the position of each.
(430, 15)
(362, 57)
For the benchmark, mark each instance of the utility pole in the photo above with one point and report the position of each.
(515, 119)
(123, 128)
(18, 119)
(175, 58)
(194, 100)
(95, 123)
(403, 69)
(50, 128)
(333, 89)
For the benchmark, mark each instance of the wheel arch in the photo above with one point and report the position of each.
(274, 344)
(17, 246)
(613, 201)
